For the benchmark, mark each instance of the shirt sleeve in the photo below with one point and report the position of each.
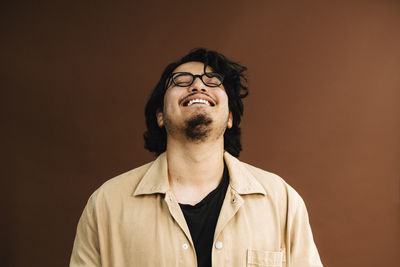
(86, 252)
(302, 251)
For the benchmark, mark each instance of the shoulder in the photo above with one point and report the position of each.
(121, 186)
(279, 192)
(274, 185)
(267, 179)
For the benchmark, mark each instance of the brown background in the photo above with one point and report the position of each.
(323, 111)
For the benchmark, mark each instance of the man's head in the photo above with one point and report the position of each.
(209, 68)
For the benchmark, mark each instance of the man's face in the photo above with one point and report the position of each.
(197, 111)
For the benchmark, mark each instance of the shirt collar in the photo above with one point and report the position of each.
(155, 180)
(241, 180)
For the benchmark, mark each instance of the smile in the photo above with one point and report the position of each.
(196, 101)
(196, 98)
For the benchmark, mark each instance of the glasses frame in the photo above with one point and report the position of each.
(194, 76)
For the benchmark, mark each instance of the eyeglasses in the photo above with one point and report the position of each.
(185, 79)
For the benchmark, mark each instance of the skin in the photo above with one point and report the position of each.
(195, 167)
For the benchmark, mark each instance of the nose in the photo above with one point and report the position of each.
(198, 85)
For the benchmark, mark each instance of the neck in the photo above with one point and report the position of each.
(194, 169)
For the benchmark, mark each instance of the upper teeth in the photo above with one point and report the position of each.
(193, 101)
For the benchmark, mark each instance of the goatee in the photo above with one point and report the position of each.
(197, 127)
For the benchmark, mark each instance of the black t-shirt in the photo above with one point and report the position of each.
(202, 219)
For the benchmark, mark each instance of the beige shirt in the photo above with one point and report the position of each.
(134, 220)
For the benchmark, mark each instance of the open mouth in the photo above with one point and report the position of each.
(197, 101)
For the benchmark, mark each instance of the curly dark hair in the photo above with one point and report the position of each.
(235, 83)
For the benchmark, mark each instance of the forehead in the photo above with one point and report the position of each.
(193, 67)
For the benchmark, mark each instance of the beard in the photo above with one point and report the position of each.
(197, 128)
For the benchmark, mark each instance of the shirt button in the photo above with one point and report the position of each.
(185, 246)
(219, 244)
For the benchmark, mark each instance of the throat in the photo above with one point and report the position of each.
(193, 174)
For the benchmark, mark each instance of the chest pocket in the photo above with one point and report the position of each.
(264, 258)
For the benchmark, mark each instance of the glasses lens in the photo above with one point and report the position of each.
(182, 79)
(212, 79)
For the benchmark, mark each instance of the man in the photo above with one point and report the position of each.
(196, 204)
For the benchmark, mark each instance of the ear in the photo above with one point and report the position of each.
(230, 120)
(160, 119)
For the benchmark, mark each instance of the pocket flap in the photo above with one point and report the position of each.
(264, 258)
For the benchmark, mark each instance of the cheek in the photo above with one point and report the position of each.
(167, 97)
(171, 98)
(224, 98)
